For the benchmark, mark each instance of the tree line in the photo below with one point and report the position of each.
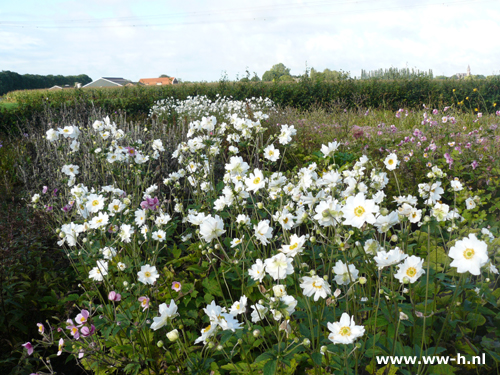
(11, 81)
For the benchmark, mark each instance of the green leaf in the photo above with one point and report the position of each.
(475, 320)
(270, 367)
(176, 252)
(263, 357)
(317, 358)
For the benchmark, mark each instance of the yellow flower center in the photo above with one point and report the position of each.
(285, 220)
(317, 286)
(411, 271)
(256, 180)
(391, 162)
(271, 152)
(359, 211)
(205, 330)
(147, 274)
(294, 246)
(95, 203)
(469, 253)
(159, 236)
(345, 331)
(116, 207)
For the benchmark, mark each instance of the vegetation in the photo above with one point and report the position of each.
(11, 81)
(444, 158)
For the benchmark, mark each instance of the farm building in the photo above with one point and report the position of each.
(109, 82)
(158, 81)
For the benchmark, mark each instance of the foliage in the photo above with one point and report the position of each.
(300, 218)
(135, 102)
(11, 81)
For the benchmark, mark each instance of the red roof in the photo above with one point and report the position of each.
(157, 81)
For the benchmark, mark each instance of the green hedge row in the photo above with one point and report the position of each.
(136, 101)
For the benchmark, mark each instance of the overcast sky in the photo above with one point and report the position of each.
(203, 40)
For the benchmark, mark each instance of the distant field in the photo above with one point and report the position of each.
(7, 105)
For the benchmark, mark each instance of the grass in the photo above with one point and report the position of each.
(8, 105)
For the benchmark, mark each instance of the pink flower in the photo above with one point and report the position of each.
(73, 329)
(176, 286)
(435, 111)
(144, 302)
(497, 113)
(479, 114)
(81, 318)
(113, 296)
(86, 331)
(44, 190)
(29, 348)
(474, 164)
(41, 328)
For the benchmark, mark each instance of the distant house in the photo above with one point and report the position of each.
(76, 86)
(158, 81)
(56, 87)
(463, 75)
(108, 82)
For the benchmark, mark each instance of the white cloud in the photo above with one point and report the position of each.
(199, 43)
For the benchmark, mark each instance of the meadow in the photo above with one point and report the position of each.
(225, 236)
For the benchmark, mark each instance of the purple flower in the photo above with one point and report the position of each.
(130, 151)
(474, 164)
(151, 203)
(435, 111)
(55, 192)
(49, 208)
(29, 348)
(497, 113)
(44, 190)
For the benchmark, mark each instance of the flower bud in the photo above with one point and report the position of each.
(256, 333)
(159, 344)
(324, 349)
(219, 347)
(173, 335)
(403, 316)
(394, 238)
(306, 342)
(362, 280)
(260, 205)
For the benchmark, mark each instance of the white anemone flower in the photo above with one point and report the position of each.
(239, 307)
(391, 162)
(410, 270)
(345, 331)
(99, 221)
(97, 273)
(331, 148)
(257, 271)
(258, 313)
(95, 203)
(295, 247)
(263, 232)
(344, 273)
(271, 153)
(52, 135)
(212, 227)
(359, 210)
(159, 235)
(279, 266)
(166, 313)
(70, 170)
(386, 259)
(255, 181)
(315, 285)
(148, 274)
(469, 255)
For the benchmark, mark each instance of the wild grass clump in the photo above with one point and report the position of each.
(219, 255)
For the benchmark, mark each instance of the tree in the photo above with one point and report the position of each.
(276, 72)
(286, 78)
(164, 76)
